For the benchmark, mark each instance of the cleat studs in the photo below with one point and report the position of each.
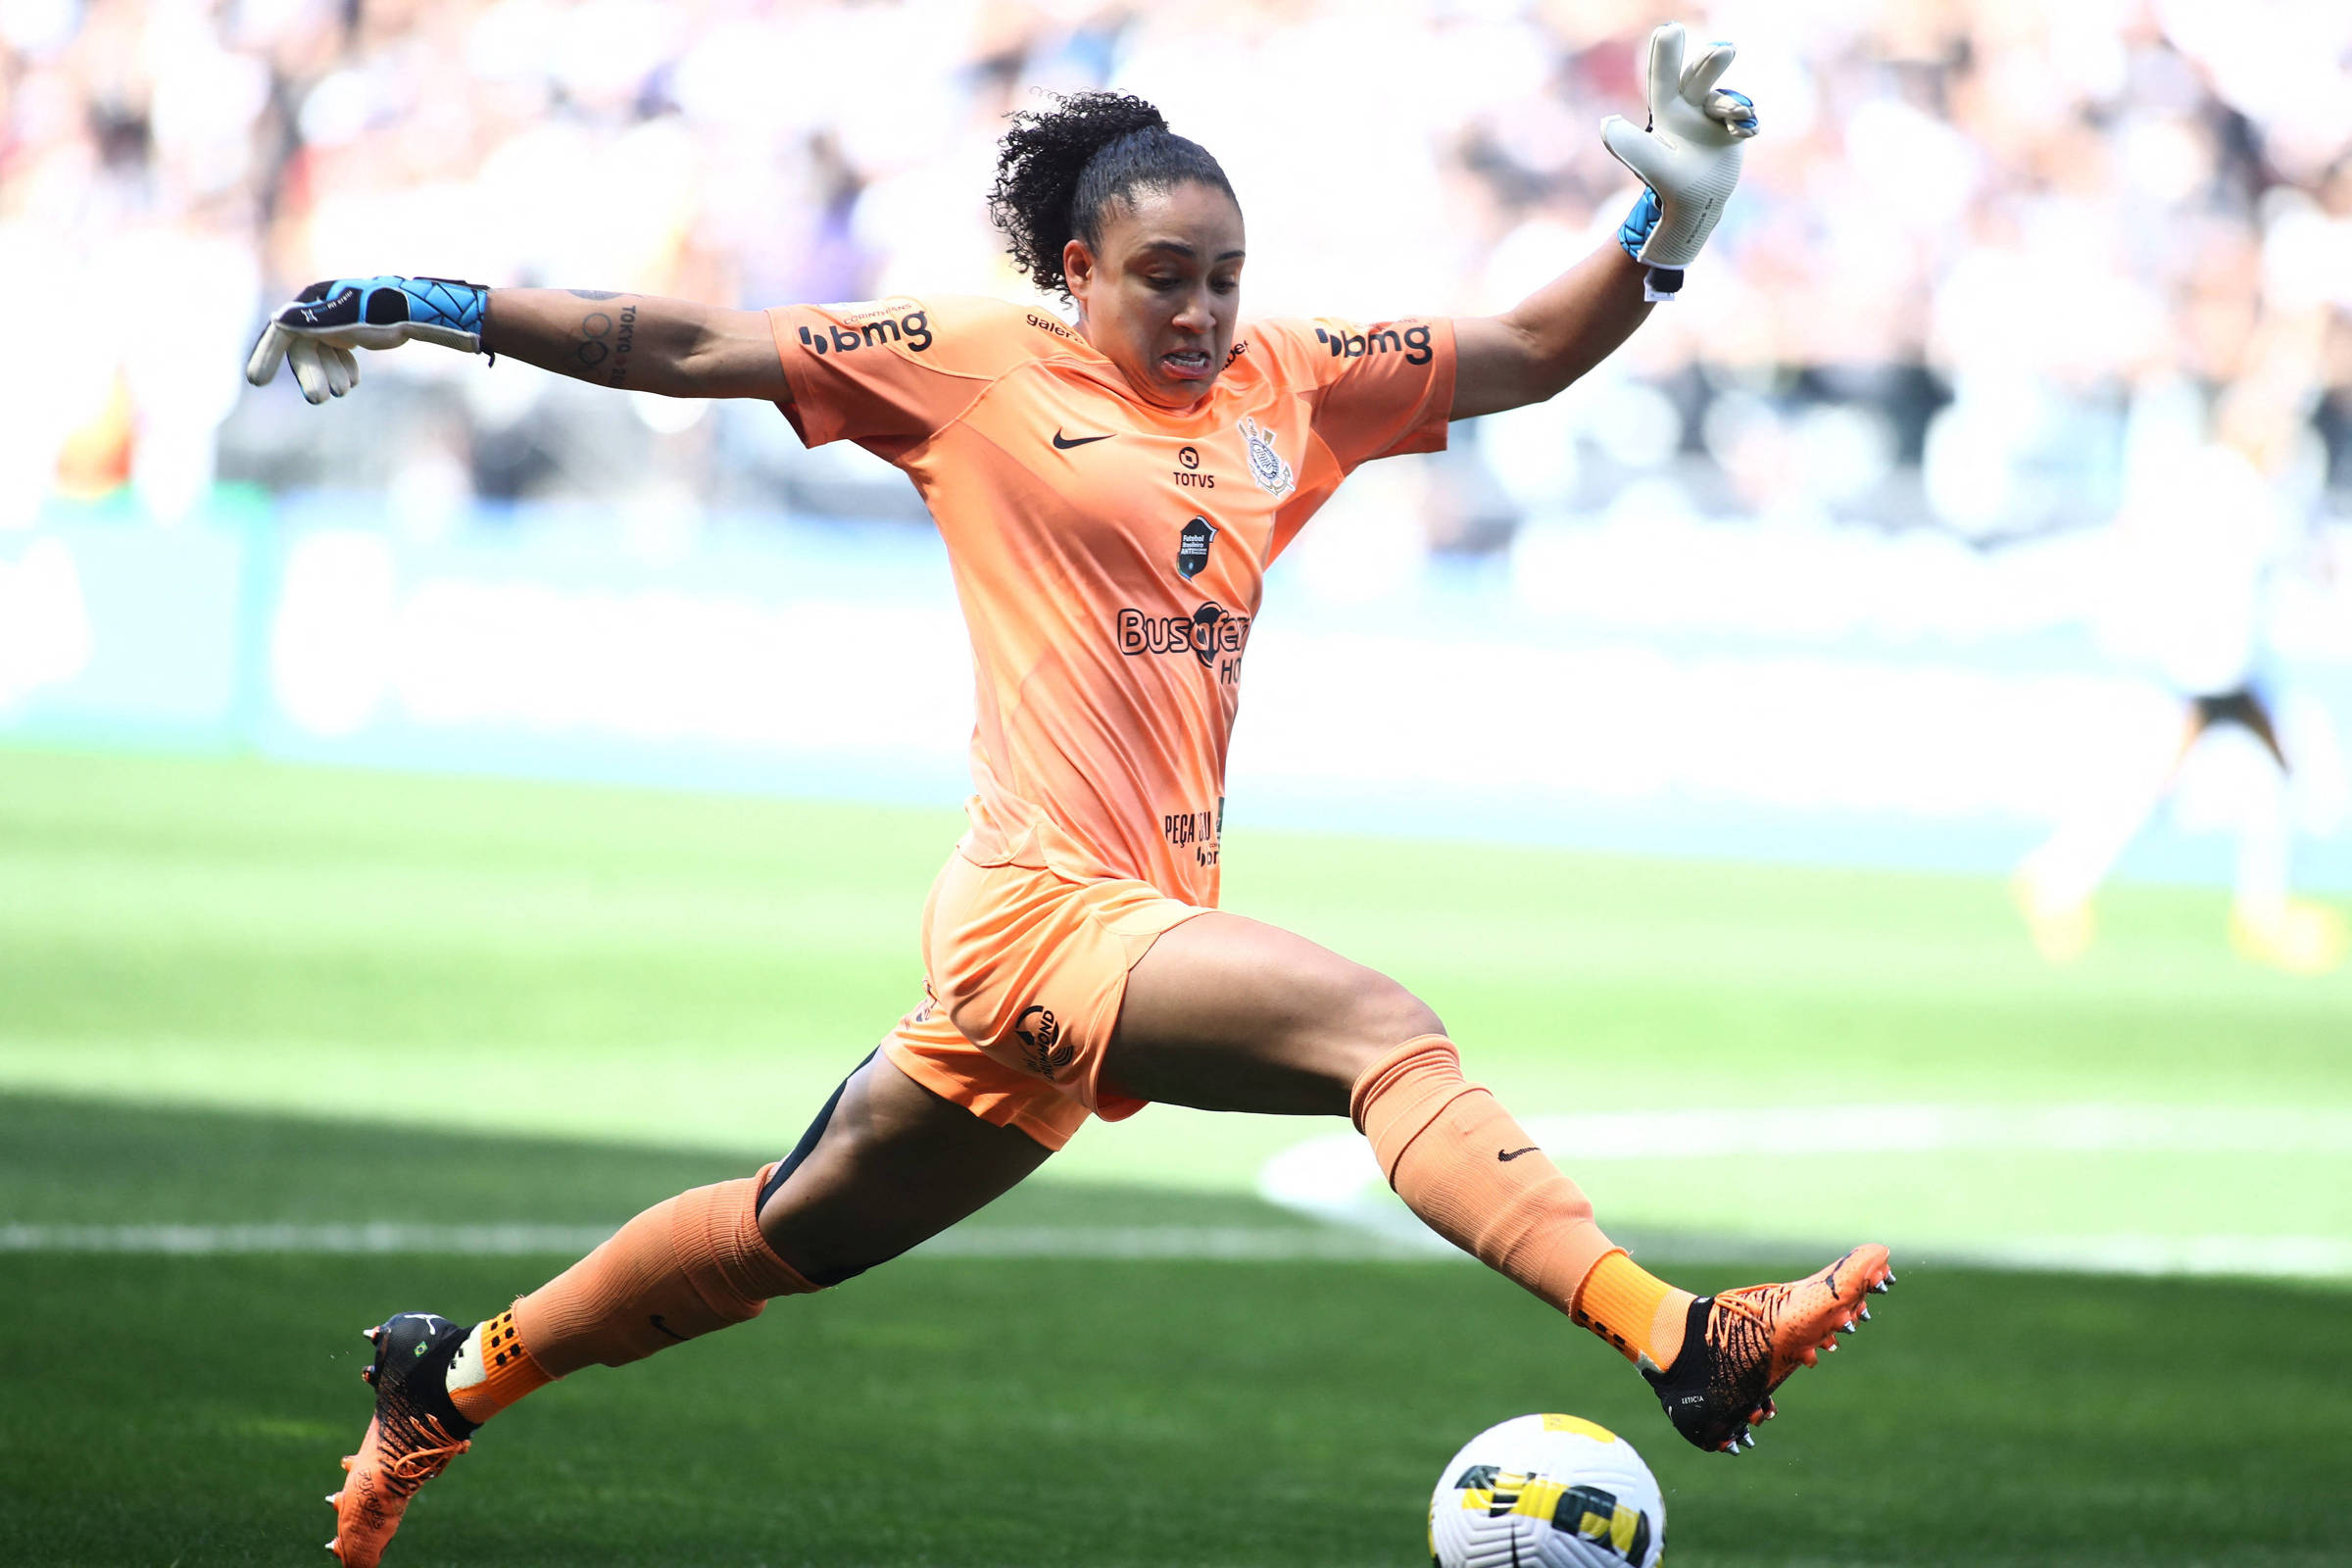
(1850, 1326)
(350, 1459)
(1864, 1315)
(1748, 1440)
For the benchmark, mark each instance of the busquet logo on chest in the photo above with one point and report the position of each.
(1212, 634)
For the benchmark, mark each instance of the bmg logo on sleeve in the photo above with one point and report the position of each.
(1412, 342)
(911, 327)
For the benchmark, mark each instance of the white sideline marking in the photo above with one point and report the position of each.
(2258, 1257)
(1333, 1177)
(1918, 1129)
(1182, 1241)
(214, 1241)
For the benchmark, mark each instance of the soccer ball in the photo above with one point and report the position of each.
(1546, 1491)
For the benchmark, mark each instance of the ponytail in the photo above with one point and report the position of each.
(1058, 169)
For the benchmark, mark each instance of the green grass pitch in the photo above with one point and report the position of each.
(233, 994)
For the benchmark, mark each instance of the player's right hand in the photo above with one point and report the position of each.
(316, 332)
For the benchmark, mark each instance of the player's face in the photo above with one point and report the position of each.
(1161, 296)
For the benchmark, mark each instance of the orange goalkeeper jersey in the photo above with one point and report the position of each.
(1108, 553)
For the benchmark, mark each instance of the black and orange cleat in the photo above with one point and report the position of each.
(1742, 1345)
(410, 1439)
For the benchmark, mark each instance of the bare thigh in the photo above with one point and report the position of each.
(1227, 1014)
(894, 1166)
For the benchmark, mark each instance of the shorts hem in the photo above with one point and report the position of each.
(959, 1092)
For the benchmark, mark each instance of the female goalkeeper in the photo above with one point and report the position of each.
(1110, 495)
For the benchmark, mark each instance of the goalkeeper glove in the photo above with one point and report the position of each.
(1688, 157)
(316, 332)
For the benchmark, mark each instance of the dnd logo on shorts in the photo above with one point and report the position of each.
(1192, 547)
(1041, 1042)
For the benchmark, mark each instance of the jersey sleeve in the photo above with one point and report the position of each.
(1381, 388)
(891, 373)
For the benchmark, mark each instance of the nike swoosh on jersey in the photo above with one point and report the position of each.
(1065, 445)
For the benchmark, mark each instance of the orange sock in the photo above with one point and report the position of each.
(493, 1370)
(1634, 1309)
(684, 1267)
(1474, 1176)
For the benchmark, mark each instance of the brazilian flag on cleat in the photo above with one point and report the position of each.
(410, 1439)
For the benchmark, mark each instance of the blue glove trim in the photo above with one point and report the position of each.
(445, 302)
(1748, 125)
(1634, 233)
(389, 301)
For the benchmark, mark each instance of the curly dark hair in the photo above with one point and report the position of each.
(1058, 169)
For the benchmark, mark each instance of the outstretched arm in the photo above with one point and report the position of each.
(1556, 334)
(639, 342)
(1687, 158)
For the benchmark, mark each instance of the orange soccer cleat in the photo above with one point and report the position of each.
(1742, 1345)
(410, 1439)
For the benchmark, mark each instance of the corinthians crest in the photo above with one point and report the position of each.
(1266, 465)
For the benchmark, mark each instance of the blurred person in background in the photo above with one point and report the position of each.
(1075, 960)
(1939, 165)
(2210, 518)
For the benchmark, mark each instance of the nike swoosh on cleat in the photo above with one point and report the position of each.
(1513, 1153)
(1064, 445)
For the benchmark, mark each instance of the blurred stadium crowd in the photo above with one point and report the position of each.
(1988, 251)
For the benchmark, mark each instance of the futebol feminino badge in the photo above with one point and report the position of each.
(1192, 547)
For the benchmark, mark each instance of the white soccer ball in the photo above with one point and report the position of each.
(1546, 1491)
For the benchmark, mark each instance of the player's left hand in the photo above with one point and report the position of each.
(1688, 157)
(316, 332)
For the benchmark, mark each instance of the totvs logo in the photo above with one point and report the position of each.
(911, 328)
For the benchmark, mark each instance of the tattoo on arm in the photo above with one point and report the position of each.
(592, 293)
(602, 352)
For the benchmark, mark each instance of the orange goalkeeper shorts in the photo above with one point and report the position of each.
(1025, 972)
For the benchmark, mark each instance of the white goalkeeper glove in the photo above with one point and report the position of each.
(1688, 157)
(316, 332)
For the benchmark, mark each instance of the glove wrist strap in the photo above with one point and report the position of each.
(1660, 285)
(449, 302)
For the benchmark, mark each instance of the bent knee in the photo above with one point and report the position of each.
(1382, 1013)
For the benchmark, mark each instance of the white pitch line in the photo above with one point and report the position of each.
(379, 1237)
(1238, 1242)
(2255, 1257)
(1927, 1129)
(1331, 1176)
